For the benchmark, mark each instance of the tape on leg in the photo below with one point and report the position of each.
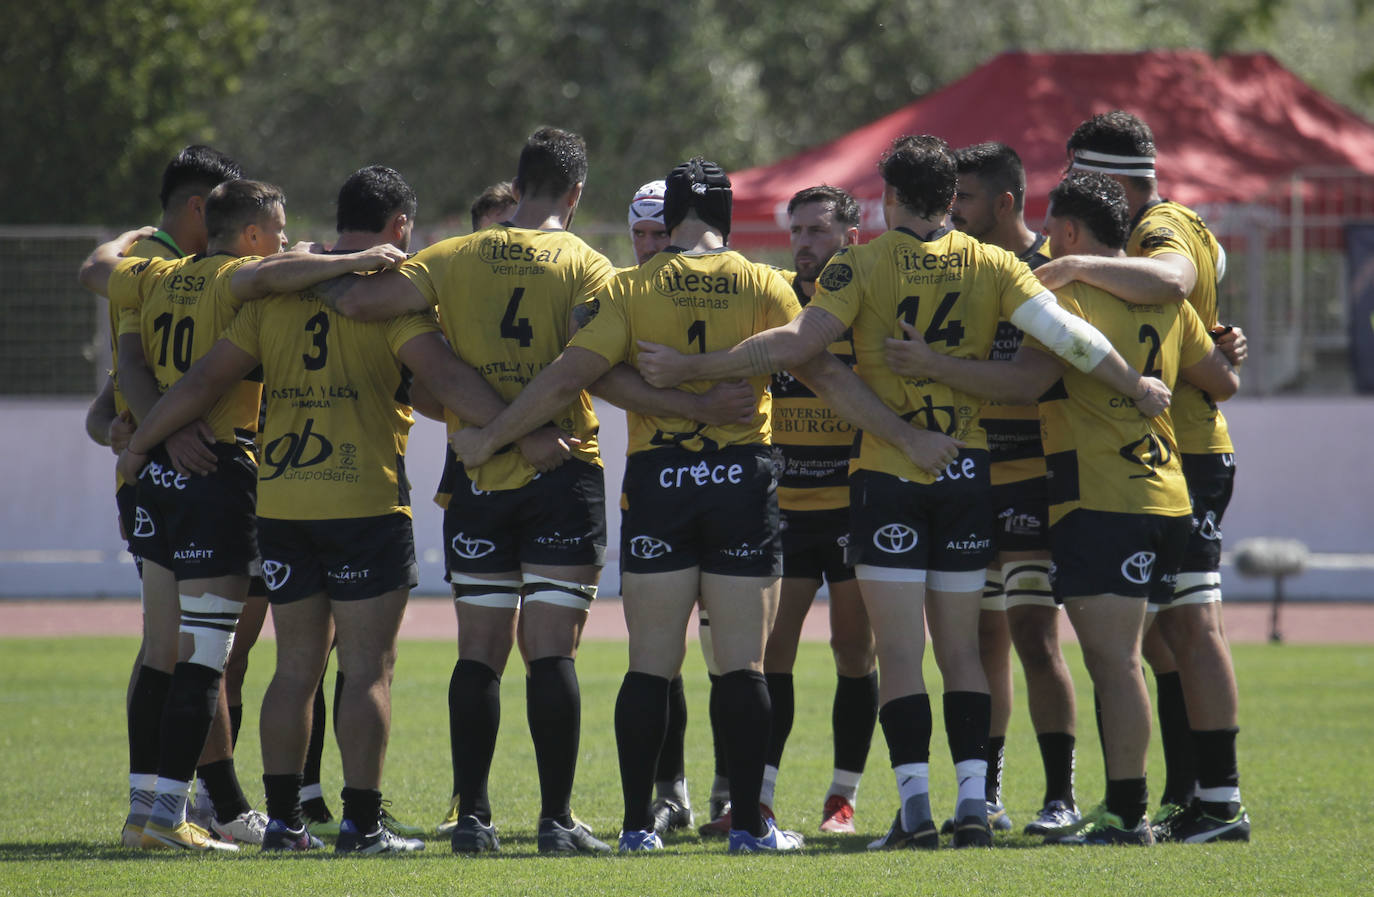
(577, 595)
(485, 592)
(210, 620)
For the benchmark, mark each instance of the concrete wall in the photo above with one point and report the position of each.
(1303, 473)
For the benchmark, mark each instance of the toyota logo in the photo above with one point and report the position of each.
(895, 538)
(647, 548)
(143, 523)
(275, 574)
(1138, 567)
(472, 548)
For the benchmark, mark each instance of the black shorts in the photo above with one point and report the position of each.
(556, 519)
(813, 544)
(1022, 514)
(126, 501)
(198, 527)
(348, 558)
(945, 525)
(1210, 480)
(1107, 553)
(714, 510)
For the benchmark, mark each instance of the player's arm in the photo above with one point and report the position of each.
(224, 366)
(727, 402)
(100, 264)
(1019, 381)
(372, 298)
(101, 414)
(1157, 280)
(453, 384)
(553, 389)
(1214, 375)
(779, 349)
(297, 269)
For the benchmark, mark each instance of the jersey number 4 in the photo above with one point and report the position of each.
(513, 328)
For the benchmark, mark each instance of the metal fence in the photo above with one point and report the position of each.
(1286, 284)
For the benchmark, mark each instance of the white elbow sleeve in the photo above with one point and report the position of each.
(1066, 335)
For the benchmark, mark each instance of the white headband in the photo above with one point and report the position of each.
(1107, 163)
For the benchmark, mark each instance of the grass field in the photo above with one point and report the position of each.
(1306, 764)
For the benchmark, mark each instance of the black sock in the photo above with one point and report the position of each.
(223, 784)
(314, 751)
(906, 726)
(641, 719)
(1216, 767)
(235, 723)
(748, 717)
(145, 719)
(997, 747)
(1180, 766)
(338, 698)
(722, 768)
(553, 706)
(1056, 754)
(671, 766)
(191, 701)
(474, 714)
(967, 718)
(784, 701)
(284, 798)
(1128, 799)
(1101, 734)
(362, 807)
(852, 718)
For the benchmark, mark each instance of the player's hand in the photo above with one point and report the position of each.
(910, 357)
(311, 246)
(661, 366)
(130, 465)
(379, 258)
(120, 431)
(1152, 396)
(470, 445)
(931, 450)
(727, 402)
(189, 449)
(1230, 341)
(1057, 273)
(546, 448)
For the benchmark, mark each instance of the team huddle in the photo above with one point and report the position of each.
(960, 425)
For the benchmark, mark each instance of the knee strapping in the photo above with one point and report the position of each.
(577, 595)
(1028, 582)
(486, 592)
(210, 621)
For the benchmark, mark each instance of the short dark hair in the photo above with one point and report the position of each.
(552, 163)
(369, 198)
(998, 165)
(701, 186)
(1117, 132)
(494, 197)
(845, 207)
(1097, 202)
(234, 205)
(196, 169)
(921, 169)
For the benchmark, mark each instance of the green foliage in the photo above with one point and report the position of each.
(98, 96)
(1304, 721)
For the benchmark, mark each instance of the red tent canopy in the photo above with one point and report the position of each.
(1228, 129)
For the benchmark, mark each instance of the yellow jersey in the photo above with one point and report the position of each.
(692, 302)
(183, 305)
(1163, 227)
(505, 297)
(813, 440)
(338, 408)
(952, 288)
(1102, 454)
(1014, 430)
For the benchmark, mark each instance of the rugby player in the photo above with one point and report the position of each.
(493, 205)
(194, 505)
(1195, 679)
(701, 518)
(920, 535)
(1119, 507)
(524, 536)
(813, 499)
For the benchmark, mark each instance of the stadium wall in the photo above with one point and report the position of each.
(1302, 473)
